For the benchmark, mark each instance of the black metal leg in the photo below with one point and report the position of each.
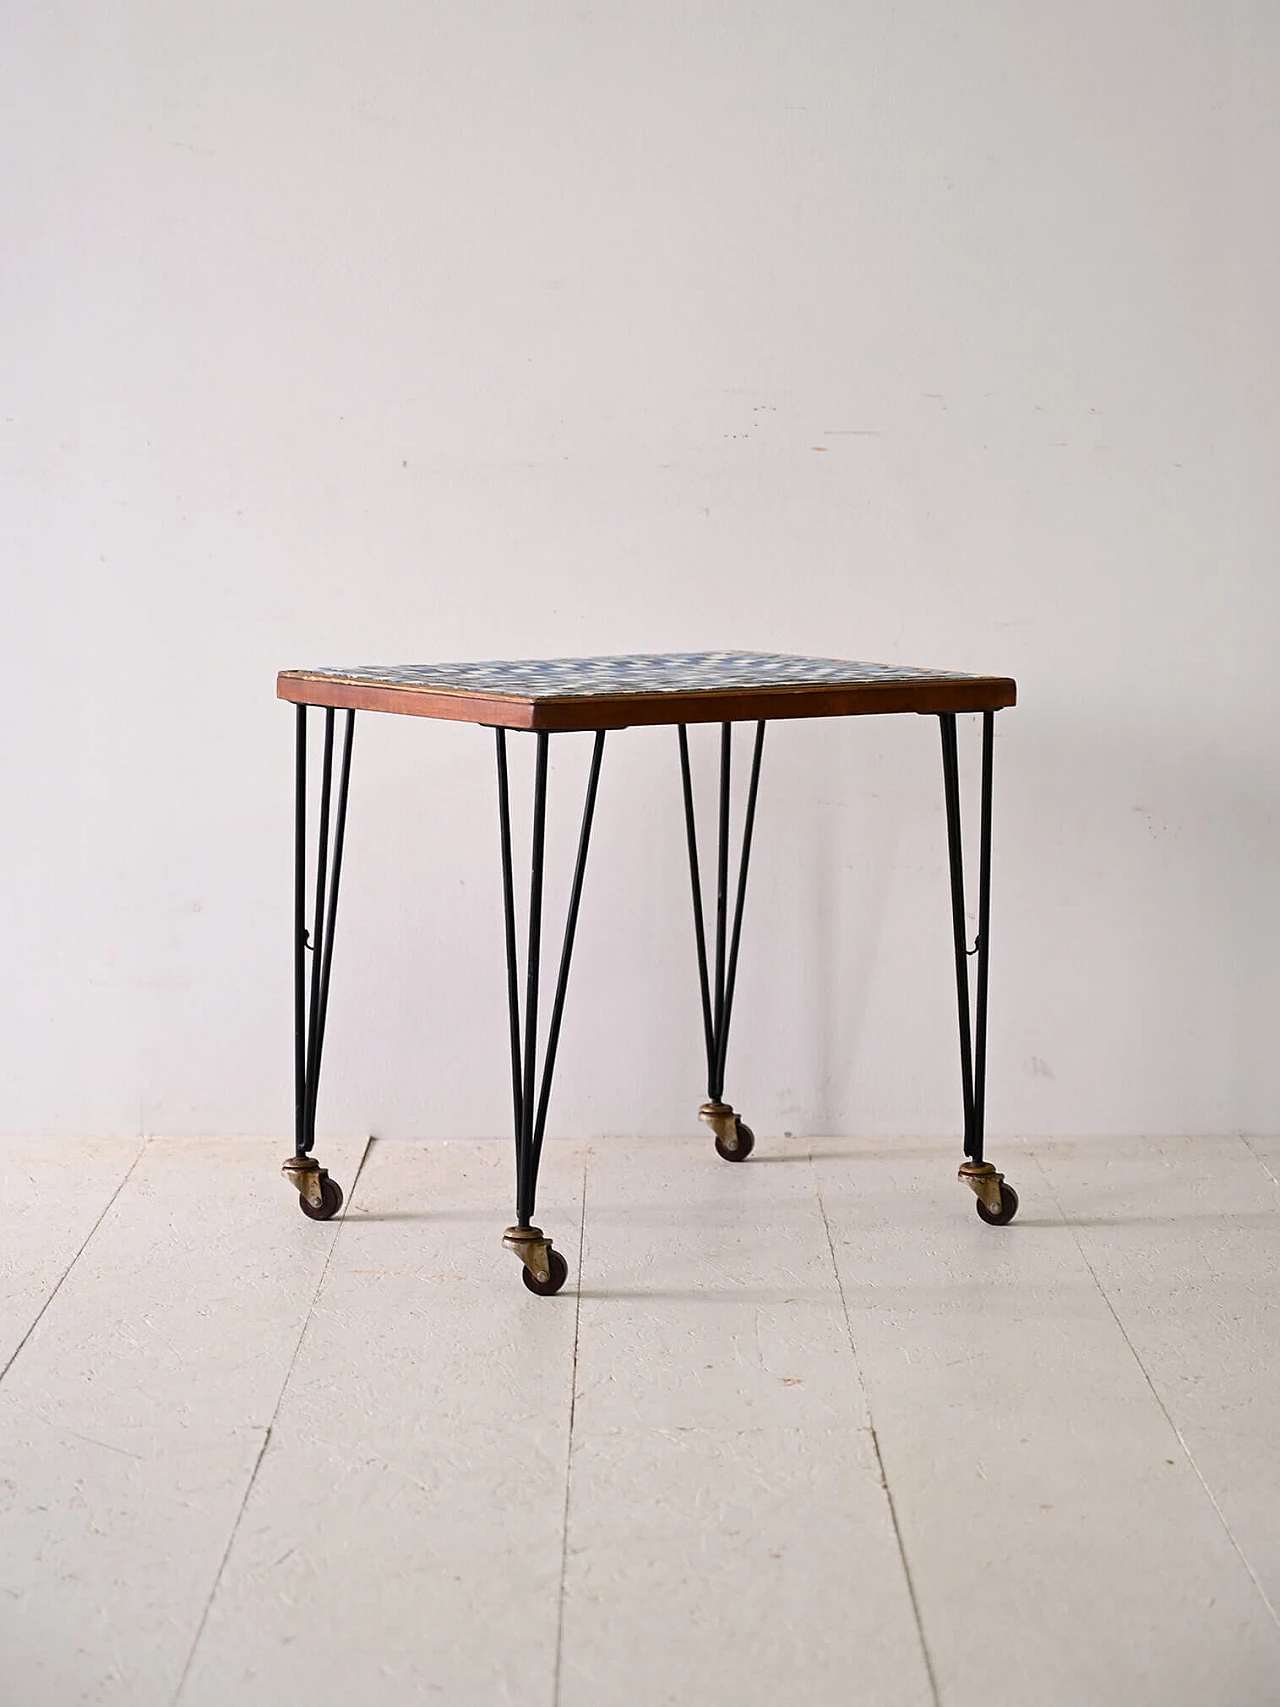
(955, 856)
(734, 1140)
(320, 1197)
(997, 1202)
(544, 1269)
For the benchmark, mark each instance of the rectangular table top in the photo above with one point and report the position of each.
(666, 687)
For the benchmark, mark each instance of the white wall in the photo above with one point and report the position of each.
(943, 334)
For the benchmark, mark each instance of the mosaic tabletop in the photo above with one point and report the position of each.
(666, 687)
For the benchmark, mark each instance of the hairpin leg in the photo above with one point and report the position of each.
(318, 1196)
(997, 1202)
(544, 1269)
(734, 1138)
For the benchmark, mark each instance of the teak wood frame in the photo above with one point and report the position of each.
(621, 711)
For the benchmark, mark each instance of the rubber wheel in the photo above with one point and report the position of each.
(746, 1143)
(1008, 1208)
(554, 1281)
(330, 1201)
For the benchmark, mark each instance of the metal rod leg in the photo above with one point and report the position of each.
(317, 934)
(320, 1197)
(734, 1140)
(731, 976)
(509, 916)
(325, 955)
(714, 1089)
(984, 927)
(997, 1201)
(955, 857)
(699, 924)
(544, 1268)
(566, 956)
(525, 1192)
(300, 937)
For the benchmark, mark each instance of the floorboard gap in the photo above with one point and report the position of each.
(57, 1287)
(1260, 1160)
(875, 1442)
(266, 1438)
(1156, 1395)
(568, 1463)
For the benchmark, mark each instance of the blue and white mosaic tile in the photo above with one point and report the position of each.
(636, 673)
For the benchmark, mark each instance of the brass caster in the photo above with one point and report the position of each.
(545, 1270)
(997, 1202)
(319, 1197)
(734, 1138)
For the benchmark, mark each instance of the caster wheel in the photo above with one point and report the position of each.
(331, 1201)
(554, 1281)
(1008, 1208)
(746, 1144)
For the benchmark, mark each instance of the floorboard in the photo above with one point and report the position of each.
(53, 1191)
(248, 1458)
(403, 1538)
(132, 1418)
(728, 1538)
(1183, 1238)
(1061, 1543)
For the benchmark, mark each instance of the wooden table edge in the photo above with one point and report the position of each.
(621, 711)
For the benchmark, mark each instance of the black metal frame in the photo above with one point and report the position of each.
(529, 1101)
(973, 1036)
(311, 1011)
(717, 1002)
(531, 1094)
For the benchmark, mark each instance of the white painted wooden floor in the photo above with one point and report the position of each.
(799, 1432)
